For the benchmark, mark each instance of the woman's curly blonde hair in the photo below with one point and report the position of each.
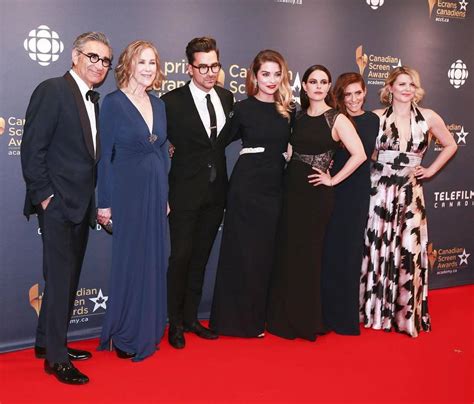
(385, 91)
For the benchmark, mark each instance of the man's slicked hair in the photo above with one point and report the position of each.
(202, 44)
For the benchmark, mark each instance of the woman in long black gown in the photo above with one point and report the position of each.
(262, 121)
(294, 306)
(344, 241)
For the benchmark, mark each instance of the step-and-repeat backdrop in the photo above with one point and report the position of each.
(368, 36)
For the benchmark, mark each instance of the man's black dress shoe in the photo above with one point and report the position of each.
(176, 336)
(122, 354)
(65, 372)
(74, 354)
(201, 331)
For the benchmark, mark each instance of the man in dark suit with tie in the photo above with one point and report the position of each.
(199, 129)
(59, 152)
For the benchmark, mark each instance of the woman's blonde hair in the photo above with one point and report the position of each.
(385, 91)
(124, 69)
(284, 95)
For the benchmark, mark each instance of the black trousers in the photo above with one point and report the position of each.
(192, 234)
(64, 245)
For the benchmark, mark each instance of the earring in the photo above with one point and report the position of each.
(390, 97)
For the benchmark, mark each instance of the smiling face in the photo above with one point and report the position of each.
(268, 77)
(92, 73)
(207, 81)
(403, 88)
(317, 86)
(144, 69)
(354, 97)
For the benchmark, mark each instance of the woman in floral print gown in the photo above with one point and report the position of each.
(394, 278)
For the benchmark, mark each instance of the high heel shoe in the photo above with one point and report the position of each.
(122, 354)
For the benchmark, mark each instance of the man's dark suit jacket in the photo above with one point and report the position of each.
(57, 151)
(194, 153)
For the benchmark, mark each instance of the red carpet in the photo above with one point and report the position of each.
(376, 367)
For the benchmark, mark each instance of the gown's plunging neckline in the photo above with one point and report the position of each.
(409, 140)
(150, 131)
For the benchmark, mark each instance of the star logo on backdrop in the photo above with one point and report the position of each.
(99, 301)
(463, 257)
(398, 65)
(462, 135)
(462, 5)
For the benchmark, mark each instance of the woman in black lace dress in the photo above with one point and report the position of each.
(294, 305)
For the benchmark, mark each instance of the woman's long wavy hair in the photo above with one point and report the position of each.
(125, 66)
(284, 95)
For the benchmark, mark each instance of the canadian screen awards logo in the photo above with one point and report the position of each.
(459, 134)
(379, 66)
(458, 73)
(11, 129)
(449, 260)
(375, 4)
(86, 303)
(43, 45)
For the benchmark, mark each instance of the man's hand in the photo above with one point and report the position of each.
(46, 202)
(104, 215)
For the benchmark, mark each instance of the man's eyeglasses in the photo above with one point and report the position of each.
(204, 69)
(94, 58)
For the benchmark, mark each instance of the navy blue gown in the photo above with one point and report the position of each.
(133, 181)
(344, 243)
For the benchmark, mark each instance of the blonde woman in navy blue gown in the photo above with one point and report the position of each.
(394, 278)
(133, 191)
(262, 121)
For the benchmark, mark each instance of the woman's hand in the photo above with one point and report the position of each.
(171, 150)
(321, 178)
(168, 210)
(422, 173)
(104, 216)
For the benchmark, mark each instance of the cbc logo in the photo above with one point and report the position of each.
(43, 45)
(375, 4)
(458, 73)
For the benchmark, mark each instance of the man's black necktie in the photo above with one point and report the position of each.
(213, 137)
(213, 120)
(93, 96)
